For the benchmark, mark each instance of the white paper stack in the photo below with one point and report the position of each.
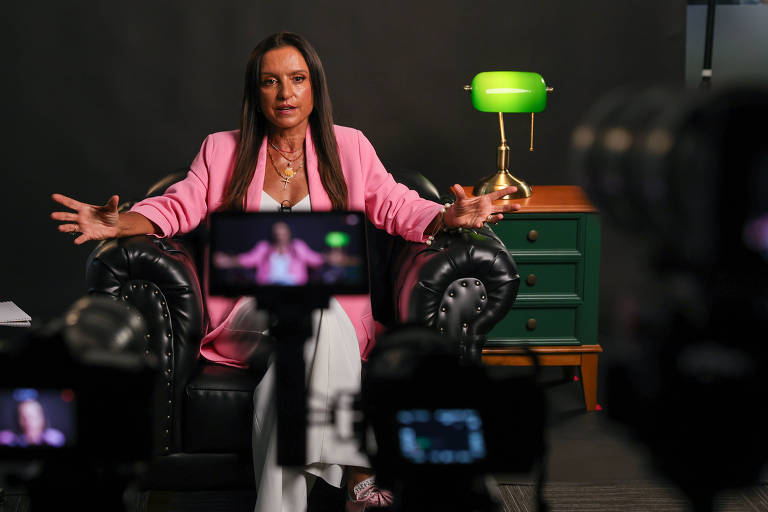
(12, 315)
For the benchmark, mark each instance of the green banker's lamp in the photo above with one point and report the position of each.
(511, 92)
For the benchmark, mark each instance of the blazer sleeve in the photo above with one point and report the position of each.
(256, 256)
(184, 204)
(390, 205)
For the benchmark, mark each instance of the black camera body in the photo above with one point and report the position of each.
(434, 426)
(87, 377)
(689, 172)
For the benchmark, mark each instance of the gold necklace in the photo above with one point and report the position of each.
(282, 151)
(288, 173)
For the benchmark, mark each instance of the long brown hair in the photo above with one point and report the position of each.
(253, 126)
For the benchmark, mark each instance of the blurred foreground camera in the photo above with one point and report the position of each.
(689, 173)
(434, 428)
(74, 414)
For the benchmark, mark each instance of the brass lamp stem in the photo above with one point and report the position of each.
(502, 177)
(502, 155)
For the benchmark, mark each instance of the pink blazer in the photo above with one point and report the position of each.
(370, 188)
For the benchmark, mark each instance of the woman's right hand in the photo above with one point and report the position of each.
(92, 222)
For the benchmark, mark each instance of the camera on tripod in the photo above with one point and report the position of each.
(427, 418)
(73, 406)
(688, 172)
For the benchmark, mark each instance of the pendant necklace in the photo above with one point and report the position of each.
(287, 174)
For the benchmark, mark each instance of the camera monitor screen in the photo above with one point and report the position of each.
(37, 418)
(441, 436)
(263, 251)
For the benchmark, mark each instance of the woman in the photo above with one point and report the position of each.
(288, 152)
(281, 260)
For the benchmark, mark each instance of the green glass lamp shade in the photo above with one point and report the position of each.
(509, 91)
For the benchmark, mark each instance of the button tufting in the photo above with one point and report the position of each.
(479, 308)
(482, 297)
(452, 293)
(477, 283)
(443, 309)
(463, 283)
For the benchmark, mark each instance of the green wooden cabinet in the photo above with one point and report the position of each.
(555, 241)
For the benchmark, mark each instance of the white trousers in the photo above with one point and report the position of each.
(332, 360)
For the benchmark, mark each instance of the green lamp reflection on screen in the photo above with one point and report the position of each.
(337, 239)
(507, 92)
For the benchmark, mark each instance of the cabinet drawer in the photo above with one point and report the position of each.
(525, 234)
(554, 279)
(536, 325)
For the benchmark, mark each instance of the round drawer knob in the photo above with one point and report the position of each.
(531, 279)
(531, 324)
(533, 235)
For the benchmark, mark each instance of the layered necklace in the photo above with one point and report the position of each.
(287, 174)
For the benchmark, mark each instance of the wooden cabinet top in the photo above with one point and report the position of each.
(551, 198)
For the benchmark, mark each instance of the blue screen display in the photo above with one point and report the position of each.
(441, 436)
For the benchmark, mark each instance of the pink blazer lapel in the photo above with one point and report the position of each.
(318, 197)
(257, 184)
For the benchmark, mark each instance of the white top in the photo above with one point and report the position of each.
(269, 204)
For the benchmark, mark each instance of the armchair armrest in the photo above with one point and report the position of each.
(463, 284)
(157, 277)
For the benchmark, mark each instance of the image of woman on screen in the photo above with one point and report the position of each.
(281, 260)
(32, 428)
(288, 151)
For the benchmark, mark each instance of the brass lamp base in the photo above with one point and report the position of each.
(501, 180)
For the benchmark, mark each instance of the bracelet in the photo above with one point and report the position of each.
(440, 224)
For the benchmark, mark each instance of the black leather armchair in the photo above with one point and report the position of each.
(462, 284)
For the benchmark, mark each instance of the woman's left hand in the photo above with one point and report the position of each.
(472, 212)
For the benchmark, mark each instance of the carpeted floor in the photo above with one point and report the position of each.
(625, 497)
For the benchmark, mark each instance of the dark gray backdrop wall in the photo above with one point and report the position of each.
(106, 97)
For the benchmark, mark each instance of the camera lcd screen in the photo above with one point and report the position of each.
(263, 251)
(37, 418)
(441, 436)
